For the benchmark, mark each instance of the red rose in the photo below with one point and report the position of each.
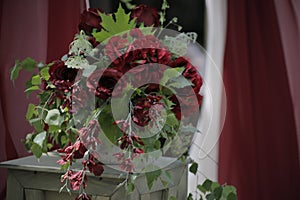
(190, 72)
(102, 83)
(59, 71)
(90, 20)
(142, 107)
(144, 14)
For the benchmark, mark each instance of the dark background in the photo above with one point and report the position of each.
(190, 13)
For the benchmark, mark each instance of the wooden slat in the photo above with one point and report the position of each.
(31, 194)
(14, 189)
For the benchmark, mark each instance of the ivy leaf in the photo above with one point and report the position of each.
(28, 64)
(53, 117)
(201, 188)
(194, 168)
(172, 198)
(190, 197)
(151, 177)
(180, 82)
(171, 73)
(210, 196)
(232, 196)
(32, 88)
(45, 73)
(36, 80)
(39, 138)
(36, 150)
(130, 188)
(218, 192)
(112, 26)
(30, 111)
(14, 72)
(207, 184)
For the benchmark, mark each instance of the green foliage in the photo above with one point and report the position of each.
(27, 64)
(152, 176)
(130, 187)
(194, 168)
(214, 191)
(113, 24)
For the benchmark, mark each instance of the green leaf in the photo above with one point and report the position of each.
(171, 73)
(45, 73)
(113, 26)
(32, 88)
(30, 111)
(180, 82)
(190, 197)
(53, 117)
(194, 168)
(39, 138)
(218, 192)
(168, 176)
(172, 120)
(130, 188)
(28, 64)
(36, 80)
(36, 150)
(151, 177)
(37, 124)
(201, 188)
(207, 184)
(232, 196)
(210, 197)
(172, 198)
(14, 72)
(228, 189)
(214, 185)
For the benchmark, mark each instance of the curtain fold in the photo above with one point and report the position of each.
(38, 29)
(258, 148)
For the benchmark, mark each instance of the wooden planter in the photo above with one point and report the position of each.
(30, 179)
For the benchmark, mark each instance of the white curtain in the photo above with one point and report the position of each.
(204, 149)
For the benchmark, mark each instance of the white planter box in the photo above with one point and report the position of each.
(30, 179)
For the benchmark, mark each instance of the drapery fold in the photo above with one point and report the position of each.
(38, 29)
(258, 146)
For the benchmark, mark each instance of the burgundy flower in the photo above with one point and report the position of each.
(75, 151)
(59, 71)
(83, 196)
(79, 98)
(190, 72)
(102, 82)
(89, 135)
(144, 14)
(127, 165)
(90, 20)
(141, 107)
(76, 179)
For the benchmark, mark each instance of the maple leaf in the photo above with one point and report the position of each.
(113, 24)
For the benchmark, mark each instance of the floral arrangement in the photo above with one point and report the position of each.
(125, 92)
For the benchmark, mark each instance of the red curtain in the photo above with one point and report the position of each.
(41, 30)
(258, 145)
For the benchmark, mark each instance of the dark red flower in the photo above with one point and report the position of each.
(127, 165)
(145, 14)
(76, 179)
(60, 72)
(102, 82)
(141, 109)
(89, 135)
(190, 72)
(89, 20)
(96, 168)
(83, 196)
